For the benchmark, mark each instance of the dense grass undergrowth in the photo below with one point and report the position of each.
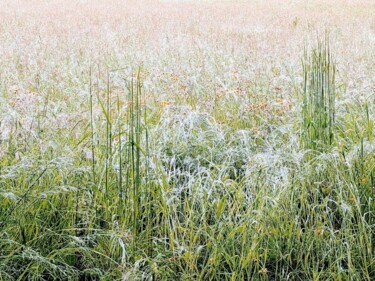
(134, 190)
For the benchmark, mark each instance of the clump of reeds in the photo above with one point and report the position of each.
(319, 90)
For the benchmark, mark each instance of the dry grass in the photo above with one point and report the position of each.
(226, 192)
(60, 41)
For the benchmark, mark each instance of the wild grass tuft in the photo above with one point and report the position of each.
(319, 94)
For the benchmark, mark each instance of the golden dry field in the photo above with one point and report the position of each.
(187, 140)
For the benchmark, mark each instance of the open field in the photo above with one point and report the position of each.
(187, 140)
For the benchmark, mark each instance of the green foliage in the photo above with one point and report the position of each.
(128, 193)
(319, 93)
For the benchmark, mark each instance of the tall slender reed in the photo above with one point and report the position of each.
(92, 129)
(108, 136)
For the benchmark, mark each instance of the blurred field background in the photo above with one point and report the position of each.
(167, 140)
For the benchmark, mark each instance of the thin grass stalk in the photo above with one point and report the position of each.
(132, 160)
(120, 182)
(137, 144)
(150, 192)
(92, 130)
(108, 136)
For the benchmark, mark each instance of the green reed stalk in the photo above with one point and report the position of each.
(92, 129)
(318, 109)
(108, 136)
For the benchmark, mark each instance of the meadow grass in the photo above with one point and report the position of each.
(201, 150)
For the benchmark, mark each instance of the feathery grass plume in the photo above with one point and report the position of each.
(318, 108)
